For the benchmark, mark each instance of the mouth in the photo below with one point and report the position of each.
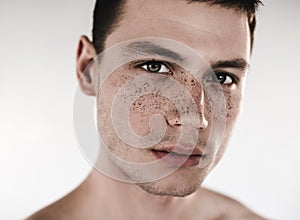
(180, 158)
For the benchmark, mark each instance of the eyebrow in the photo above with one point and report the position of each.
(150, 48)
(238, 63)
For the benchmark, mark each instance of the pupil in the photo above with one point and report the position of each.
(221, 78)
(154, 67)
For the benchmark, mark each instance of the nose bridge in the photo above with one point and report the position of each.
(193, 114)
(197, 117)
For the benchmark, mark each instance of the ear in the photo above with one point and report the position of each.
(84, 63)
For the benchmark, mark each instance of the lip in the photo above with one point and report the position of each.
(179, 157)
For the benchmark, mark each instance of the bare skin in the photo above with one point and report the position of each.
(100, 197)
(217, 34)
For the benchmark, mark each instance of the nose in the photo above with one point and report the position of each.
(188, 116)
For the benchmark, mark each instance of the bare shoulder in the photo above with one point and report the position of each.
(57, 210)
(223, 207)
(72, 206)
(46, 213)
(61, 209)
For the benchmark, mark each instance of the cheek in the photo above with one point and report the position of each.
(222, 105)
(233, 107)
(144, 108)
(105, 98)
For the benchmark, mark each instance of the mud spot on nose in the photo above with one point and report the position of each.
(193, 83)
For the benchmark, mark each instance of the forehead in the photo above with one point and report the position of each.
(214, 32)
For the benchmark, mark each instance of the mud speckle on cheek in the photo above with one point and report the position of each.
(223, 104)
(144, 108)
(233, 105)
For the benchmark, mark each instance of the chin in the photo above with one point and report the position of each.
(171, 190)
(178, 184)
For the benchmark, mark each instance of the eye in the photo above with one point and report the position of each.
(155, 67)
(223, 78)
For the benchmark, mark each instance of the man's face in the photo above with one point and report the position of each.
(218, 35)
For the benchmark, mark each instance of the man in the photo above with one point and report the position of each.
(170, 34)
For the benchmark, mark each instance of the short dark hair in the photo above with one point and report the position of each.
(108, 13)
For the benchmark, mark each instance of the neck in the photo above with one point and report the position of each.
(118, 200)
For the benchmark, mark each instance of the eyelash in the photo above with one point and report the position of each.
(214, 76)
(145, 66)
(233, 79)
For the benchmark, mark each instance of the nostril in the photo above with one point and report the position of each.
(197, 121)
(174, 121)
(203, 124)
(203, 121)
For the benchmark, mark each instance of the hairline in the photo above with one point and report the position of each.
(121, 12)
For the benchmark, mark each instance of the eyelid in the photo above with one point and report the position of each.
(235, 79)
(139, 64)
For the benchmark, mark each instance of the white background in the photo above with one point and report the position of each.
(39, 158)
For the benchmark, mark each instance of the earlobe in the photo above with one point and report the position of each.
(84, 61)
